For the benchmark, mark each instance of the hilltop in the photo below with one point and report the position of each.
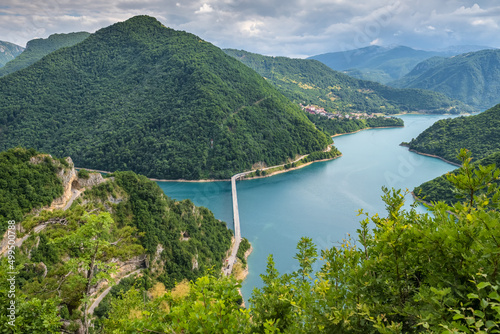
(38, 48)
(140, 96)
(470, 77)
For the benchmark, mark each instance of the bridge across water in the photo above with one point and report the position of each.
(228, 267)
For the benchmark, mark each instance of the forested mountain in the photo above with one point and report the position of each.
(139, 96)
(8, 51)
(384, 64)
(470, 77)
(118, 225)
(479, 133)
(36, 49)
(311, 82)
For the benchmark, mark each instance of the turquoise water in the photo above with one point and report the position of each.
(320, 201)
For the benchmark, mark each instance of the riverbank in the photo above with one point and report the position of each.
(280, 167)
(369, 128)
(431, 155)
(280, 171)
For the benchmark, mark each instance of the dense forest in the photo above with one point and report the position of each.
(24, 185)
(345, 125)
(139, 96)
(404, 272)
(308, 81)
(124, 221)
(479, 134)
(470, 77)
(36, 49)
(8, 51)
(441, 189)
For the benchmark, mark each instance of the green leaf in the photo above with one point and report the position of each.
(482, 285)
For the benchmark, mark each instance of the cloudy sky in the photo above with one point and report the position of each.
(295, 28)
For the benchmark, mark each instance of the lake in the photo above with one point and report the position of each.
(320, 201)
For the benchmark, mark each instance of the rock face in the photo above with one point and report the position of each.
(93, 180)
(67, 176)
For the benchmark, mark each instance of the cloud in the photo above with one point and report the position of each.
(273, 27)
(206, 8)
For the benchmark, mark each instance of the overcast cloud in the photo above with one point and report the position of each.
(295, 28)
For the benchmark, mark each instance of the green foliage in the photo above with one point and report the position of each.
(83, 174)
(36, 49)
(479, 134)
(469, 77)
(311, 82)
(25, 185)
(211, 306)
(139, 96)
(345, 125)
(9, 52)
(33, 315)
(163, 221)
(441, 189)
(244, 246)
(320, 155)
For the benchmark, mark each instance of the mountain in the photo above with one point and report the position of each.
(385, 64)
(8, 51)
(470, 77)
(376, 63)
(36, 49)
(480, 134)
(309, 81)
(140, 96)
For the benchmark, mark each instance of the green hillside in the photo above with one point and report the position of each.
(36, 49)
(8, 51)
(479, 134)
(25, 186)
(139, 96)
(440, 189)
(311, 82)
(121, 224)
(471, 77)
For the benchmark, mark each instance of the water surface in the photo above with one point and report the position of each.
(320, 201)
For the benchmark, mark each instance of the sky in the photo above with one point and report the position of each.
(293, 28)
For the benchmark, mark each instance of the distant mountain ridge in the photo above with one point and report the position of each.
(470, 77)
(38, 48)
(384, 64)
(8, 51)
(311, 82)
(140, 96)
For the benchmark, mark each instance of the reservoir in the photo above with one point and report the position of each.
(320, 201)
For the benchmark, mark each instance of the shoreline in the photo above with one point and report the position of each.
(369, 128)
(432, 156)
(289, 169)
(228, 180)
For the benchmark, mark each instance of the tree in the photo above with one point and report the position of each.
(90, 242)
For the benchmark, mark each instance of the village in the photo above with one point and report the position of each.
(316, 110)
